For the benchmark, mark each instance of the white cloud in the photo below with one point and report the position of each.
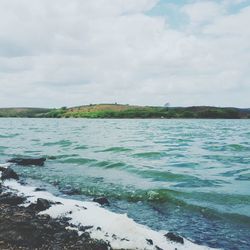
(203, 11)
(76, 52)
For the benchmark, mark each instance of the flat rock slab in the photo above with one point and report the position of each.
(28, 161)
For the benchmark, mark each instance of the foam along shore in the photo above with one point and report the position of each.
(119, 231)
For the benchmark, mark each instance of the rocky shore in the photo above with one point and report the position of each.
(23, 228)
(32, 218)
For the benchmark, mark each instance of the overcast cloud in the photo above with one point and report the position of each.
(72, 52)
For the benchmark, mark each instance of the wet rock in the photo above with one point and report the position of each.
(28, 161)
(9, 173)
(149, 241)
(173, 237)
(40, 205)
(158, 248)
(20, 228)
(11, 199)
(84, 228)
(40, 189)
(124, 239)
(2, 169)
(101, 200)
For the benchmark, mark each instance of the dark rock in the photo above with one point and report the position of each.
(9, 173)
(10, 199)
(173, 237)
(40, 189)
(149, 241)
(158, 248)
(84, 228)
(2, 169)
(101, 200)
(40, 205)
(124, 239)
(28, 161)
(81, 207)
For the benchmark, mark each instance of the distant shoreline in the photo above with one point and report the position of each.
(121, 111)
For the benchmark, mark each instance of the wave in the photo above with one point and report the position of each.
(80, 161)
(228, 147)
(81, 147)
(115, 149)
(150, 155)
(9, 135)
(62, 143)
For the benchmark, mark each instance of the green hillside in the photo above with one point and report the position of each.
(127, 111)
(23, 112)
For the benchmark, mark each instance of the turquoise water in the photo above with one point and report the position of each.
(189, 176)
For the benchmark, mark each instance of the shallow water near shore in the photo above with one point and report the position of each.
(189, 176)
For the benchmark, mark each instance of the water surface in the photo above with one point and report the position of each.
(189, 176)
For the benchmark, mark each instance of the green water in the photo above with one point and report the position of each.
(190, 176)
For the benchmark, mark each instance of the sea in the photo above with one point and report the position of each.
(188, 176)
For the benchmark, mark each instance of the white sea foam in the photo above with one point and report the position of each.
(5, 165)
(117, 229)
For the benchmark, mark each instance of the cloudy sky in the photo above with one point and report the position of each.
(72, 52)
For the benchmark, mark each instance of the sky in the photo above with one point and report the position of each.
(145, 52)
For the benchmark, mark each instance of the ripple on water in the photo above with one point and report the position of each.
(197, 183)
(232, 172)
(79, 161)
(150, 155)
(61, 143)
(115, 149)
(185, 165)
(9, 135)
(228, 147)
(243, 177)
(229, 159)
(81, 147)
(2, 148)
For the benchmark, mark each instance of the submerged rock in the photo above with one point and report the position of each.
(9, 173)
(101, 200)
(173, 237)
(70, 190)
(28, 161)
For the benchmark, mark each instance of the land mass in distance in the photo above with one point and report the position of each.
(128, 111)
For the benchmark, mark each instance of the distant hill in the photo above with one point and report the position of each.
(129, 111)
(23, 112)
